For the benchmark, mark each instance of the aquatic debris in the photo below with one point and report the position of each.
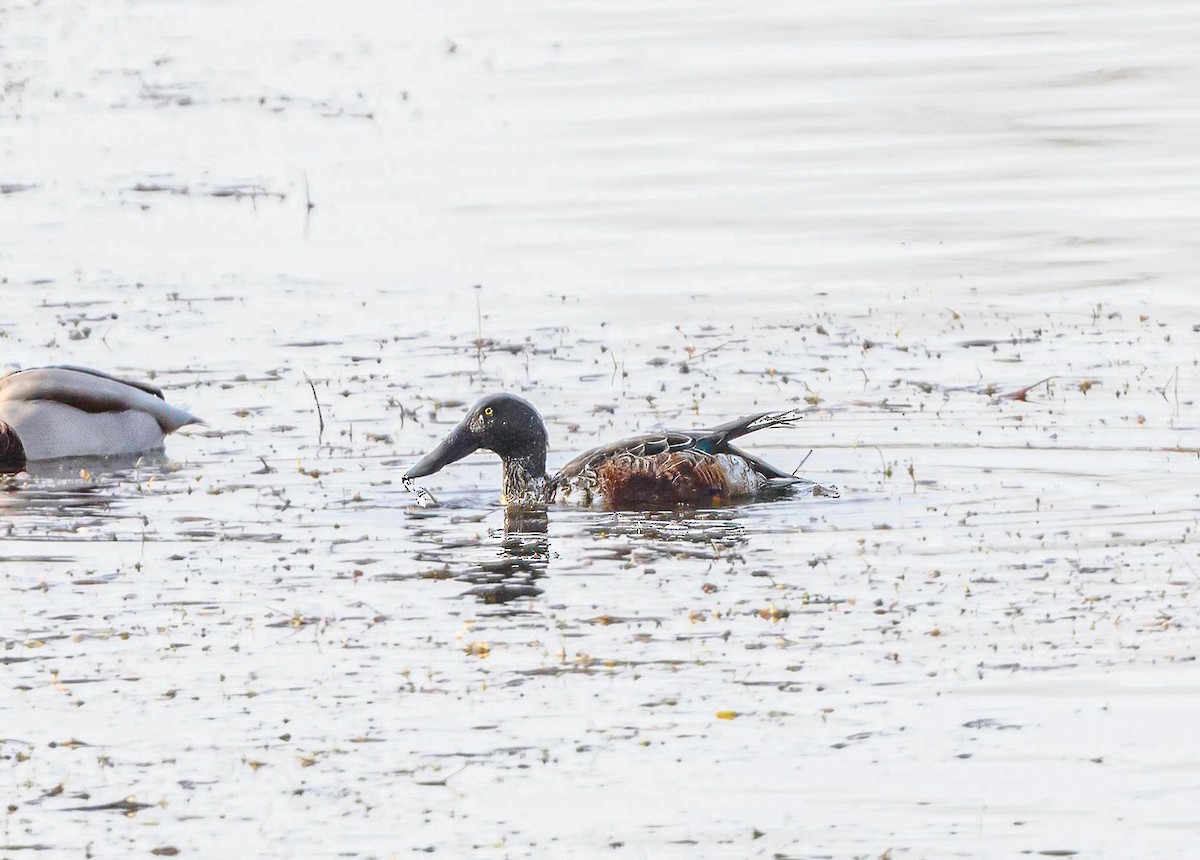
(478, 649)
(237, 192)
(128, 806)
(502, 593)
(320, 414)
(1022, 393)
(773, 613)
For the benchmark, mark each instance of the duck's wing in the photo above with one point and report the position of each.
(92, 391)
(637, 446)
(91, 371)
(709, 441)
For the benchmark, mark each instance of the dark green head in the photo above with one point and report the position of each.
(502, 423)
(12, 452)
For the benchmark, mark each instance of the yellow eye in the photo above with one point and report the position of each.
(488, 412)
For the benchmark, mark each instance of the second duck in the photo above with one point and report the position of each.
(52, 412)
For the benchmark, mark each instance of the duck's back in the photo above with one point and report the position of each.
(75, 412)
(696, 467)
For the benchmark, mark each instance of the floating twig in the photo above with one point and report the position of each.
(320, 415)
(802, 462)
(1163, 391)
(1022, 393)
(478, 316)
(308, 205)
(307, 198)
(443, 780)
(708, 351)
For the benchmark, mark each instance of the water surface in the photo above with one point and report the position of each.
(961, 237)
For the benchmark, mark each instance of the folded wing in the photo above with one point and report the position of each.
(709, 441)
(93, 392)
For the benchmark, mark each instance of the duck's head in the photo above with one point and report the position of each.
(12, 452)
(502, 423)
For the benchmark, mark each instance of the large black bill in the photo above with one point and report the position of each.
(458, 443)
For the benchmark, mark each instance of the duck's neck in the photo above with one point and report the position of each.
(525, 481)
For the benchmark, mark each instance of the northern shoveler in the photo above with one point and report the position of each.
(696, 468)
(52, 412)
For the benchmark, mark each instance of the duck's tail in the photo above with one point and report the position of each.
(718, 439)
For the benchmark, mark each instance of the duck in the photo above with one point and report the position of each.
(696, 468)
(66, 411)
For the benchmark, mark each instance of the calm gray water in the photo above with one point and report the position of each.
(896, 217)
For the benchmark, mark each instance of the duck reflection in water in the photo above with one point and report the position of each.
(524, 558)
(501, 566)
(77, 486)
